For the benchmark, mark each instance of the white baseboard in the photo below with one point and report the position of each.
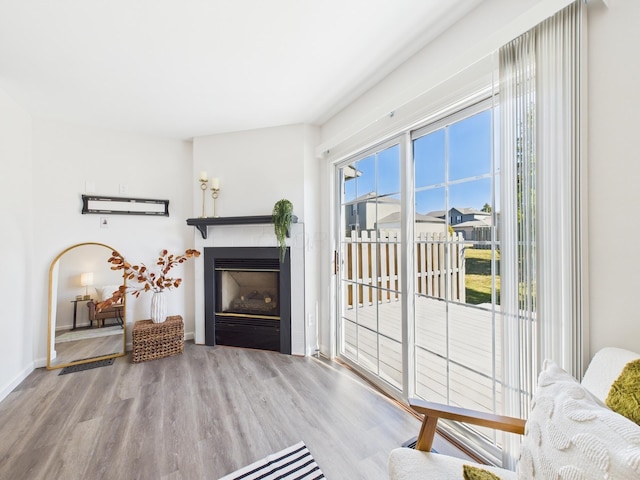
(40, 362)
(16, 381)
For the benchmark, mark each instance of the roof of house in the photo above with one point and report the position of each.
(371, 197)
(473, 223)
(350, 172)
(463, 210)
(395, 218)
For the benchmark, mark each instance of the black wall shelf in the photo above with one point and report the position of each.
(202, 224)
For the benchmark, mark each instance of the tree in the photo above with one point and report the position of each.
(486, 208)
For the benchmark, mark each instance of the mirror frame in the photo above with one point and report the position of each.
(51, 320)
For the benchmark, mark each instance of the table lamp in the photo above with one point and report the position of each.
(86, 280)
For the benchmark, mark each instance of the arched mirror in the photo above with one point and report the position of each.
(79, 331)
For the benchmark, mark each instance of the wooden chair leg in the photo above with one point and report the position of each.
(427, 433)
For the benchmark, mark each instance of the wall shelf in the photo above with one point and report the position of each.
(202, 224)
(105, 205)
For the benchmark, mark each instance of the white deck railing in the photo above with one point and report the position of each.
(372, 263)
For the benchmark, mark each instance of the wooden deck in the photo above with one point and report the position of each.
(457, 349)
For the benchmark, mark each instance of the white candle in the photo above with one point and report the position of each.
(215, 183)
(203, 176)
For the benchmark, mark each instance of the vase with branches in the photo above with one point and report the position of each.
(144, 279)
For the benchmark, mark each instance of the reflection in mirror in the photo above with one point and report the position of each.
(79, 331)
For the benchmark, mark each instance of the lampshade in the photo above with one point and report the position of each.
(86, 279)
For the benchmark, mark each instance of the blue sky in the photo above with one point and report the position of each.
(468, 145)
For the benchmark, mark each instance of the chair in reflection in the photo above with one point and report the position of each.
(100, 315)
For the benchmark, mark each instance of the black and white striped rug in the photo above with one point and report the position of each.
(293, 463)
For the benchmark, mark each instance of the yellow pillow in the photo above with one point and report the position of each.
(470, 472)
(624, 396)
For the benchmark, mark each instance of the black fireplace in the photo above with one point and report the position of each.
(247, 298)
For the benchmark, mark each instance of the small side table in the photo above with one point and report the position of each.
(157, 340)
(75, 310)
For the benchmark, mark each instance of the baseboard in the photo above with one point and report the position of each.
(40, 362)
(16, 381)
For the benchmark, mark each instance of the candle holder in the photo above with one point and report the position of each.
(203, 187)
(214, 195)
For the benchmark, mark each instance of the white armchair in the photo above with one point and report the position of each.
(604, 444)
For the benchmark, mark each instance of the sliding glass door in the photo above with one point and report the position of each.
(437, 337)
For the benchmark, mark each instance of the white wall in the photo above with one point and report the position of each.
(256, 168)
(614, 173)
(16, 242)
(316, 237)
(65, 158)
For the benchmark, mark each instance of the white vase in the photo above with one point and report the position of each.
(158, 307)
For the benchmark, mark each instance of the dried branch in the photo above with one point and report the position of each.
(142, 278)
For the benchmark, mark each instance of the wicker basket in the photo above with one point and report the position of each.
(157, 340)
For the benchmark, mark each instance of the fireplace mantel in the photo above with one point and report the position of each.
(202, 224)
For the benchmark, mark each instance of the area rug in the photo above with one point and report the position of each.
(84, 334)
(292, 463)
(86, 366)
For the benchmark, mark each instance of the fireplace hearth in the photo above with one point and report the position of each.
(247, 298)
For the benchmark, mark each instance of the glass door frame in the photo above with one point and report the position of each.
(403, 141)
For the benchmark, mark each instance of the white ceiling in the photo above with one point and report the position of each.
(184, 68)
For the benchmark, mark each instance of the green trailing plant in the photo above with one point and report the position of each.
(282, 218)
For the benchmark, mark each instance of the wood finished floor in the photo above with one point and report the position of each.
(198, 415)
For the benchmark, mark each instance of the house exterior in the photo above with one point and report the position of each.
(471, 223)
(370, 213)
(363, 212)
(458, 215)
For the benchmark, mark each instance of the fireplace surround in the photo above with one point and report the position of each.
(247, 298)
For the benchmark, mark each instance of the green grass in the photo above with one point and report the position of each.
(478, 276)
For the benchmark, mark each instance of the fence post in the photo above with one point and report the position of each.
(462, 292)
(361, 268)
(373, 265)
(419, 263)
(350, 260)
